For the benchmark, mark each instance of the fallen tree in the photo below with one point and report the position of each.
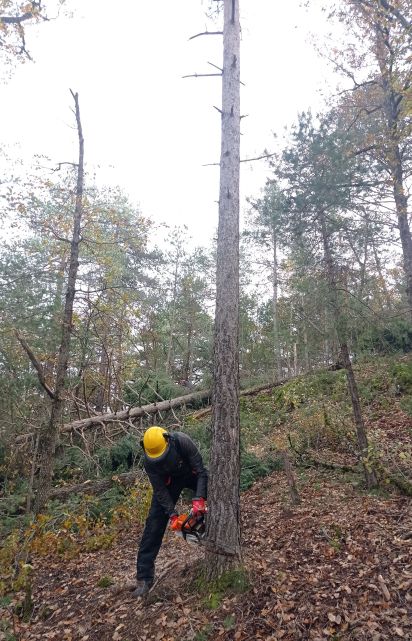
(146, 410)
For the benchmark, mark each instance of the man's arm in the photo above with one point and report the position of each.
(193, 456)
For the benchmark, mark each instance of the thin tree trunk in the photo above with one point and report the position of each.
(306, 348)
(275, 286)
(295, 358)
(50, 430)
(187, 365)
(223, 528)
(287, 466)
(169, 357)
(382, 281)
(103, 375)
(392, 102)
(362, 439)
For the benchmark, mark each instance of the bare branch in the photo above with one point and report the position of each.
(215, 66)
(221, 70)
(201, 75)
(37, 366)
(18, 19)
(263, 157)
(206, 33)
(60, 165)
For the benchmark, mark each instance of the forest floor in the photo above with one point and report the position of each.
(338, 566)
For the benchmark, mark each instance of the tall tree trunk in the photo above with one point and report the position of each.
(103, 371)
(50, 430)
(340, 326)
(170, 348)
(382, 280)
(275, 288)
(223, 529)
(392, 106)
(187, 363)
(295, 359)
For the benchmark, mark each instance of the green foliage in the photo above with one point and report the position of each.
(300, 391)
(254, 468)
(205, 633)
(402, 374)
(406, 405)
(396, 336)
(229, 622)
(258, 414)
(121, 456)
(105, 582)
(85, 524)
(143, 390)
(234, 581)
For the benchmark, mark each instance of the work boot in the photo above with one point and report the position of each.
(142, 588)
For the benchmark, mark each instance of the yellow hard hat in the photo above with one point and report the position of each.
(155, 442)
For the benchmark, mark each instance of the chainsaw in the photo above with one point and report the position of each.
(190, 528)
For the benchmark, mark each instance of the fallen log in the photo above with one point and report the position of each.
(135, 412)
(125, 415)
(96, 487)
(153, 408)
(247, 392)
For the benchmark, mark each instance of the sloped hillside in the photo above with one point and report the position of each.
(336, 566)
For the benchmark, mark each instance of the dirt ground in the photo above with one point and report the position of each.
(338, 567)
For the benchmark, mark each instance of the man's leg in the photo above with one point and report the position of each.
(153, 533)
(151, 541)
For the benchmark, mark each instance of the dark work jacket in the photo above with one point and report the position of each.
(183, 459)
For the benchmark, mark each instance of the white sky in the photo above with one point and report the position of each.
(145, 127)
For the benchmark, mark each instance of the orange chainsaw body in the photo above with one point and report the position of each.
(189, 527)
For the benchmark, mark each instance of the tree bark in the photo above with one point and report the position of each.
(340, 326)
(392, 107)
(49, 432)
(287, 466)
(223, 545)
(275, 288)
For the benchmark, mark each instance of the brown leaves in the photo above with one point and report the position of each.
(300, 589)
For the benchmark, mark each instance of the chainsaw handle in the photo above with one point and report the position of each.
(185, 522)
(190, 529)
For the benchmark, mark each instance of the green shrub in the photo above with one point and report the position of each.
(396, 337)
(156, 386)
(402, 375)
(121, 456)
(253, 468)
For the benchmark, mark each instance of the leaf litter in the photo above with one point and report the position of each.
(337, 567)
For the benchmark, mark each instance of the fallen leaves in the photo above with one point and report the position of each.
(338, 567)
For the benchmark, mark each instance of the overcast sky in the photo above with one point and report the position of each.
(145, 127)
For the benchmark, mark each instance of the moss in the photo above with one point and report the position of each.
(235, 581)
(105, 582)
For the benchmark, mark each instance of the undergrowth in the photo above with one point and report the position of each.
(67, 531)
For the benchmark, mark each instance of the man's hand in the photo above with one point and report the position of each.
(174, 521)
(198, 506)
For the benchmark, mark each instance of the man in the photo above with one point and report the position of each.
(172, 463)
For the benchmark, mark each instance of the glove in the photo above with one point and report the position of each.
(198, 506)
(174, 521)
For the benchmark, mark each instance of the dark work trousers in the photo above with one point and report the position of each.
(155, 527)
